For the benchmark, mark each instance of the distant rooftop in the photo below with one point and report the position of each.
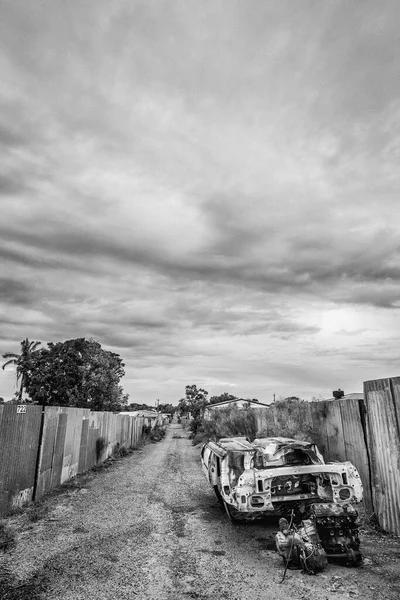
(140, 413)
(238, 401)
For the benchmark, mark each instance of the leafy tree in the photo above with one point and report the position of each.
(167, 408)
(222, 398)
(183, 406)
(77, 372)
(290, 400)
(136, 406)
(2, 401)
(194, 402)
(22, 362)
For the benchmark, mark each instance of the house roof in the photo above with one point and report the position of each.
(140, 413)
(233, 401)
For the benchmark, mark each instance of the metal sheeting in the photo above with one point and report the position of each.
(355, 446)
(383, 404)
(73, 440)
(19, 442)
(335, 427)
(81, 439)
(319, 414)
(335, 431)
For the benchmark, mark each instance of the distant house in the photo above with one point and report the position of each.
(152, 417)
(238, 403)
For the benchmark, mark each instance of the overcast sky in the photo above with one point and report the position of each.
(208, 188)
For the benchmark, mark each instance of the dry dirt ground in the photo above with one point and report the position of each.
(149, 527)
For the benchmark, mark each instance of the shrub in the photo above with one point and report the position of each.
(38, 511)
(146, 430)
(226, 422)
(288, 418)
(7, 538)
(195, 425)
(157, 433)
(200, 438)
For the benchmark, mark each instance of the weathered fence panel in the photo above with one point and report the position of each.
(335, 426)
(383, 405)
(72, 440)
(76, 439)
(355, 444)
(19, 442)
(319, 413)
(50, 424)
(334, 431)
(42, 448)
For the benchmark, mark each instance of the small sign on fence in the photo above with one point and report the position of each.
(21, 408)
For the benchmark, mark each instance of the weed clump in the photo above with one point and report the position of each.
(288, 418)
(157, 433)
(146, 430)
(37, 512)
(7, 538)
(226, 422)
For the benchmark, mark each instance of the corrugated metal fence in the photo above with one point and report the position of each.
(335, 426)
(382, 398)
(365, 432)
(42, 448)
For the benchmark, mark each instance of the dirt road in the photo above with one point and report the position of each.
(149, 527)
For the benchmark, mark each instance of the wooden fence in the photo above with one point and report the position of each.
(42, 448)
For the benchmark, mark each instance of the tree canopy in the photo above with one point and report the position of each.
(195, 401)
(167, 408)
(222, 398)
(21, 362)
(76, 372)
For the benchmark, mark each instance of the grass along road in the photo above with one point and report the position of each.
(150, 527)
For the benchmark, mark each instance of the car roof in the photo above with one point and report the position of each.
(281, 441)
(236, 444)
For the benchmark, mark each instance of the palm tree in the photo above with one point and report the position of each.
(21, 361)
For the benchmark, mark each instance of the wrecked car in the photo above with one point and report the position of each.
(287, 478)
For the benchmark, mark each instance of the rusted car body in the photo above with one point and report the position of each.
(286, 477)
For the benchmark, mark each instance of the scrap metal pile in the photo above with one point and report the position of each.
(289, 478)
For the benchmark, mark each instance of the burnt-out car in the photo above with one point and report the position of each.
(286, 477)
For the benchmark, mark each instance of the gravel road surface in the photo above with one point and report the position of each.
(149, 527)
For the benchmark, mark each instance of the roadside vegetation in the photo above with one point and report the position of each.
(225, 422)
(246, 422)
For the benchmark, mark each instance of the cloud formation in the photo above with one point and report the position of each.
(209, 189)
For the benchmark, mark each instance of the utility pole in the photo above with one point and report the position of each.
(158, 412)
(274, 397)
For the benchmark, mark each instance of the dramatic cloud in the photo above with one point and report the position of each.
(208, 188)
